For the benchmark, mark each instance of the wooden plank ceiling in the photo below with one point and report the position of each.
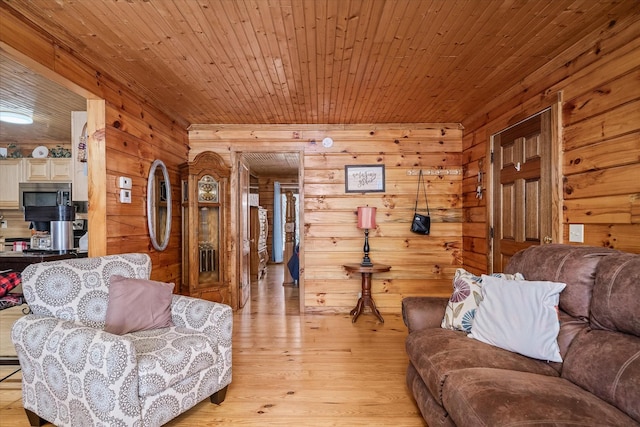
(315, 61)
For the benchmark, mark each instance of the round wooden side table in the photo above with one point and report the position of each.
(366, 299)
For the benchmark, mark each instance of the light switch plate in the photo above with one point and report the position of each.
(124, 182)
(125, 196)
(576, 233)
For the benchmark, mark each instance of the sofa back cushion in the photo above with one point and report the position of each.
(78, 289)
(607, 364)
(605, 360)
(616, 295)
(573, 265)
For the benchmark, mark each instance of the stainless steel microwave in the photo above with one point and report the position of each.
(44, 194)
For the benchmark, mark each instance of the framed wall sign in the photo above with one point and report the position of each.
(364, 178)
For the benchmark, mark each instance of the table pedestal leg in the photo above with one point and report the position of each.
(365, 300)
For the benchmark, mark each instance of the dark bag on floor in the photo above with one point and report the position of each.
(421, 224)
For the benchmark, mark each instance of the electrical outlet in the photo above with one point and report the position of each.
(3, 224)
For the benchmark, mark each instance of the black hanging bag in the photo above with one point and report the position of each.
(421, 224)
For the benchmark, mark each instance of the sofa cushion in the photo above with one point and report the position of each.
(169, 356)
(570, 327)
(492, 397)
(520, 316)
(573, 265)
(464, 301)
(431, 411)
(607, 364)
(616, 302)
(437, 352)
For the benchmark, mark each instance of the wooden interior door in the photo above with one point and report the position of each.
(522, 188)
(244, 291)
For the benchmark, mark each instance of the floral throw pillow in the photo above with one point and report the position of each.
(465, 299)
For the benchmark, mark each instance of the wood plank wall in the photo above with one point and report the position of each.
(136, 135)
(599, 83)
(421, 265)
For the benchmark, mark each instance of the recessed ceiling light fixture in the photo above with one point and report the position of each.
(17, 118)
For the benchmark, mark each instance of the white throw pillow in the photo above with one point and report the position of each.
(520, 316)
(465, 299)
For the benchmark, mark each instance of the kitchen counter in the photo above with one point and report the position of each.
(18, 261)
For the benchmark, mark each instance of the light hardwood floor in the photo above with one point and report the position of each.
(296, 370)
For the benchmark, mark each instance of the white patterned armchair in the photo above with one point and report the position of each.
(76, 374)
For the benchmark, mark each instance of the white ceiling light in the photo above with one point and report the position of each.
(17, 118)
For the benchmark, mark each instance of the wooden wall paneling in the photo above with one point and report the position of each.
(124, 145)
(604, 209)
(616, 236)
(97, 174)
(605, 96)
(612, 181)
(604, 44)
(600, 134)
(609, 124)
(421, 265)
(618, 151)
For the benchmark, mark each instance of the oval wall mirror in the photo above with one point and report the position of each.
(159, 205)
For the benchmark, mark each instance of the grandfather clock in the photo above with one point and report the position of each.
(205, 214)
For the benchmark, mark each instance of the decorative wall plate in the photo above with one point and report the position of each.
(40, 152)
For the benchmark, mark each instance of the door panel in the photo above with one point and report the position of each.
(244, 233)
(522, 188)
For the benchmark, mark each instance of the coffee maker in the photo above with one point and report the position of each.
(60, 221)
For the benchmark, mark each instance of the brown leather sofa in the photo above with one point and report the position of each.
(459, 381)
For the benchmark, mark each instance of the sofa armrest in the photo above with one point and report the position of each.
(423, 312)
(64, 361)
(211, 318)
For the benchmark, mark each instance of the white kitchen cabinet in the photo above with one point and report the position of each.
(49, 169)
(10, 177)
(61, 169)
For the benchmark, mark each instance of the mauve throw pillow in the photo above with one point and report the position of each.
(138, 305)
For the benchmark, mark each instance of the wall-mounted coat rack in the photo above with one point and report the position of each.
(435, 171)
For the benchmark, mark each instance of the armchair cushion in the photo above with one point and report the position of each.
(138, 305)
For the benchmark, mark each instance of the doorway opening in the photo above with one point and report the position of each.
(276, 188)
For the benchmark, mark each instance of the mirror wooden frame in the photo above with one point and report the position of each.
(152, 207)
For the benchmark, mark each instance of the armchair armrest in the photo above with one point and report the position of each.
(62, 360)
(212, 318)
(423, 312)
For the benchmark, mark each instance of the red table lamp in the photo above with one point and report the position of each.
(366, 220)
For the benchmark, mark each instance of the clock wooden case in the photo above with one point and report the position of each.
(205, 215)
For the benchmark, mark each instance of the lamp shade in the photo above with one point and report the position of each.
(366, 217)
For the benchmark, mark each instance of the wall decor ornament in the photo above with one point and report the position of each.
(364, 178)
